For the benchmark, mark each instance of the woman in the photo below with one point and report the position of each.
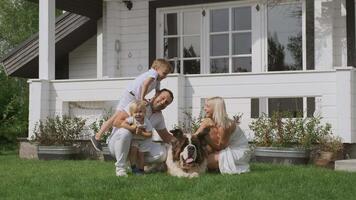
(230, 151)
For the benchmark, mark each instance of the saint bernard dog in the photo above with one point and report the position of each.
(186, 156)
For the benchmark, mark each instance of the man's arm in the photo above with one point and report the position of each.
(165, 135)
(120, 119)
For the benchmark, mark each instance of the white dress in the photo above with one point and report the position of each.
(234, 159)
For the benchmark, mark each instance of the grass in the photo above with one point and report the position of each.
(88, 179)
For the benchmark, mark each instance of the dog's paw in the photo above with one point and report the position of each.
(193, 175)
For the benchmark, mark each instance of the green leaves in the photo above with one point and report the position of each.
(282, 130)
(59, 130)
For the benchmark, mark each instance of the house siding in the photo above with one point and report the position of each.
(82, 60)
(134, 38)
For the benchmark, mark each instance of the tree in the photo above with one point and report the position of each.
(18, 21)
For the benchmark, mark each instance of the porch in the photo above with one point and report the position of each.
(333, 91)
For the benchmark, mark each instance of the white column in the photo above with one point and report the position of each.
(47, 39)
(99, 50)
(38, 103)
(111, 34)
(344, 103)
(174, 112)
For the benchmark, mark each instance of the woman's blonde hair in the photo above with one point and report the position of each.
(220, 116)
(135, 105)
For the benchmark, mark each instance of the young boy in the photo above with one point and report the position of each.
(137, 90)
(140, 142)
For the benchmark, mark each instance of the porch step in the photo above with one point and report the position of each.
(346, 165)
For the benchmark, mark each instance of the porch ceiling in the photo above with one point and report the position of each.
(89, 8)
(71, 31)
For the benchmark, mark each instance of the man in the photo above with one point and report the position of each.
(120, 139)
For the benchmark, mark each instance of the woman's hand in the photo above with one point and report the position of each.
(207, 123)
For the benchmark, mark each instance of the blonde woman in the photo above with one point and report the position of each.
(230, 151)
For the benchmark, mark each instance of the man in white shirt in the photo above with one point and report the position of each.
(120, 139)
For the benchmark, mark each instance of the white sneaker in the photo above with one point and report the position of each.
(121, 172)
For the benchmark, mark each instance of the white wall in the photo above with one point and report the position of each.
(82, 60)
(127, 58)
(335, 91)
(134, 38)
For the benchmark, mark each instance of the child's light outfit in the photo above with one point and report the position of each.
(142, 143)
(134, 89)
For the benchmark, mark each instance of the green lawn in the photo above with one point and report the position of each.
(33, 179)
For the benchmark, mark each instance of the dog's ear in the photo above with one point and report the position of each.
(177, 133)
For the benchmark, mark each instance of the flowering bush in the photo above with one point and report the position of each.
(282, 130)
(58, 130)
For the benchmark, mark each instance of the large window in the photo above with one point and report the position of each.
(285, 46)
(230, 40)
(234, 37)
(182, 40)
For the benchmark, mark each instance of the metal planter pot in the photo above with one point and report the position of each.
(281, 155)
(57, 152)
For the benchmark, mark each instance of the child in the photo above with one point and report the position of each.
(137, 90)
(141, 140)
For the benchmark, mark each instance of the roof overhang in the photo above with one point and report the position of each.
(71, 31)
(89, 8)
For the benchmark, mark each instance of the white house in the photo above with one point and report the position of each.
(260, 55)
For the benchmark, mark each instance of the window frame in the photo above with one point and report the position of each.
(259, 41)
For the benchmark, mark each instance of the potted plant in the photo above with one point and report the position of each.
(329, 149)
(95, 127)
(284, 139)
(56, 136)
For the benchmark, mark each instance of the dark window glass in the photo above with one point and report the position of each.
(241, 64)
(285, 50)
(219, 20)
(219, 65)
(191, 66)
(287, 106)
(170, 24)
(255, 108)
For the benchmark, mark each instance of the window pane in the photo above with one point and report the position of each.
(175, 65)
(310, 106)
(191, 67)
(241, 18)
(170, 24)
(219, 20)
(219, 45)
(241, 43)
(285, 37)
(171, 47)
(291, 106)
(241, 64)
(255, 108)
(191, 46)
(220, 65)
(191, 23)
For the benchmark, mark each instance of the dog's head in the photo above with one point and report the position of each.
(187, 149)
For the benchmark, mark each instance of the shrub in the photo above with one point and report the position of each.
(282, 130)
(95, 126)
(190, 124)
(58, 130)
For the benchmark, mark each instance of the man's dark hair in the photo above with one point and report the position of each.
(166, 90)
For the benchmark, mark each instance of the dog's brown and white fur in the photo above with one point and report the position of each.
(186, 156)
